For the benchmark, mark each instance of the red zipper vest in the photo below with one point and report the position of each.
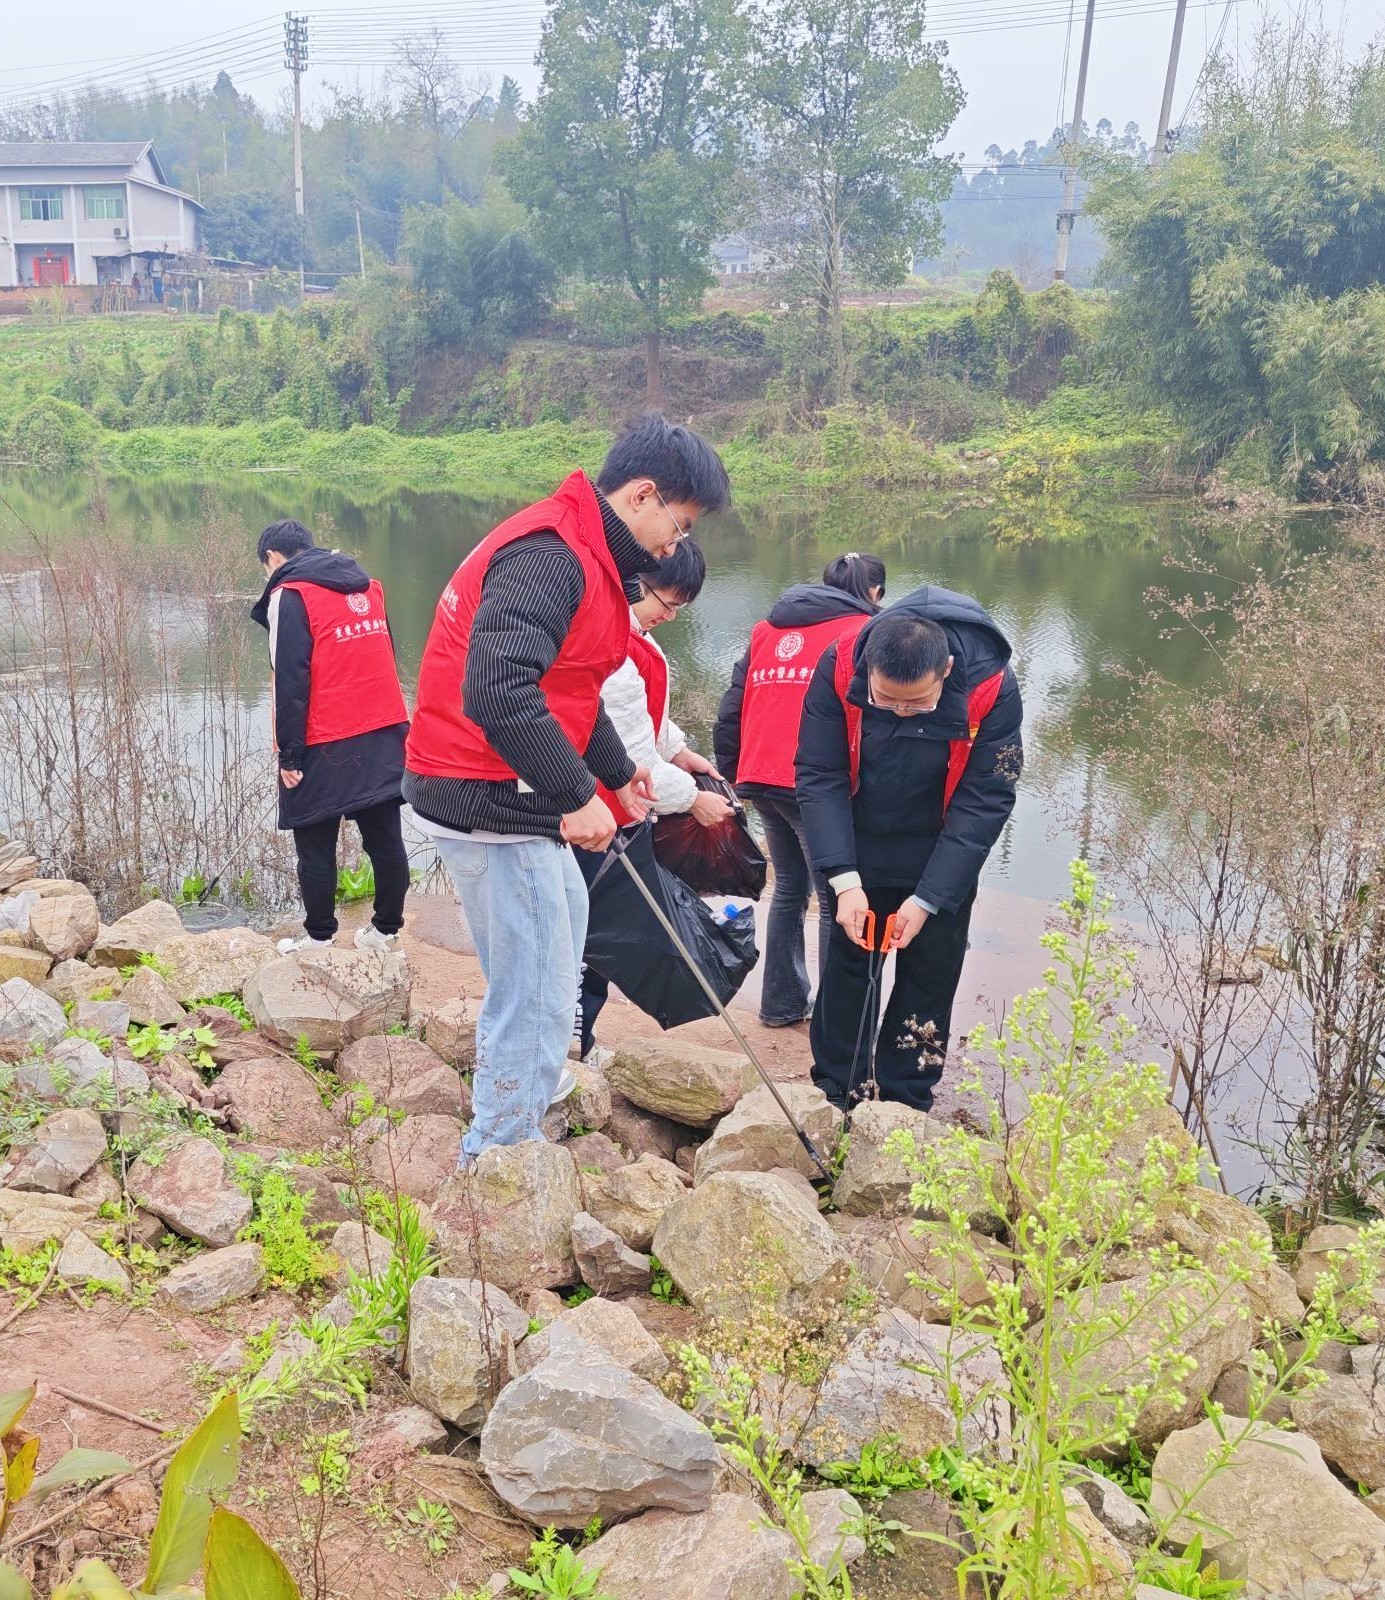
(980, 702)
(776, 680)
(444, 742)
(353, 687)
(652, 664)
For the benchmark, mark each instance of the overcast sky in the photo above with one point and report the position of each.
(1010, 69)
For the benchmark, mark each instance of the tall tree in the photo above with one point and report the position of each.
(850, 99)
(628, 153)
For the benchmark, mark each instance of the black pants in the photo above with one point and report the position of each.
(914, 1032)
(595, 992)
(383, 839)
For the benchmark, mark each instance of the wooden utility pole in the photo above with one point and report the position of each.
(1164, 135)
(1068, 213)
(296, 60)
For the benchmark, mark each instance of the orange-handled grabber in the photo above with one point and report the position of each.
(868, 934)
(870, 1010)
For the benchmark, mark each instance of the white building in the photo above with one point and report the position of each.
(89, 213)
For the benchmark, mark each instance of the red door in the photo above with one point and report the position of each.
(50, 271)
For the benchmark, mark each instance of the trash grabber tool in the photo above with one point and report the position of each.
(225, 866)
(618, 850)
(870, 1010)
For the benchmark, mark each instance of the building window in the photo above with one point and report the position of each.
(105, 203)
(41, 205)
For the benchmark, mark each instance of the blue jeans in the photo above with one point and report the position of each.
(785, 985)
(526, 906)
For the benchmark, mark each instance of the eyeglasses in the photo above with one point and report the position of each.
(679, 530)
(901, 708)
(669, 609)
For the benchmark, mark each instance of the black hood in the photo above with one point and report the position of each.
(329, 569)
(806, 603)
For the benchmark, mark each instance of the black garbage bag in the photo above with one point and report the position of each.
(723, 859)
(626, 944)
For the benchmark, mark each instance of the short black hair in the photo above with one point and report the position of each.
(684, 467)
(856, 574)
(905, 648)
(682, 574)
(287, 537)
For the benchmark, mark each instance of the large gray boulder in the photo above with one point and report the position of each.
(1345, 1418)
(18, 961)
(604, 1325)
(330, 997)
(191, 1190)
(1224, 1233)
(64, 926)
(509, 1219)
(744, 1239)
(215, 1279)
(726, 1552)
(219, 962)
(756, 1136)
(580, 1437)
(275, 1101)
(64, 1147)
(1274, 1516)
(911, 1265)
(28, 1016)
(404, 1075)
(71, 981)
(608, 1265)
(642, 1133)
(360, 1249)
(417, 1156)
(460, 1357)
(674, 1078)
(30, 1218)
(138, 933)
(82, 1261)
(150, 999)
(1328, 1249)
(631, 1201)
(876, 1182)
(451, 1031)
(73, 1065)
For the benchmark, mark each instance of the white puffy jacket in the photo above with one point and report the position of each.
(627, 704)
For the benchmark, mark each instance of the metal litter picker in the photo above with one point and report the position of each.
(876, 957)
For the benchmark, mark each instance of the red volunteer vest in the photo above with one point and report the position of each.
(980, 702)
(776, 680)
(652, 664)
(444, 742)
(353, 687)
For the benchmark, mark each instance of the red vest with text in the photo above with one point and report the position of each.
(980, 702)
(353, 686)
(444, 742)
(653, 668)
(776, 680)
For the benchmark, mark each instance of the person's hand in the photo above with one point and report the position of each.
(689, 760)
(290, 780)
(590, 827)
(852, 909)
(710, 809)
(638, 795)
(908, 924)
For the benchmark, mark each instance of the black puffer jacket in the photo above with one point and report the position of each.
(801, 606)
(345, 776)
(893, 831)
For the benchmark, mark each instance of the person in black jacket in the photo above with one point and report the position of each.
(908, 756)
(754, 741)
(339, 727)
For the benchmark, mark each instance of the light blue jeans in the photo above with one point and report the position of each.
(526, 906)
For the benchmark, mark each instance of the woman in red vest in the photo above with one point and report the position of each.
(755, 741)
(636, 699)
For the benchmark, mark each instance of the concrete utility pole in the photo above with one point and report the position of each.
(296, 60)
(1164, 134)
(360, 243)
(1067, 214)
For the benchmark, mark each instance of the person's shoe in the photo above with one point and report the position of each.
(599, 1057)
(288, 947)
(787, 1022)
(370, 938)
(567, 1085)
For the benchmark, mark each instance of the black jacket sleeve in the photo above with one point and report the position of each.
(726, 736)
(980, 806)
(291, 658)
(823, 773)
(606, 754)
(530, 595)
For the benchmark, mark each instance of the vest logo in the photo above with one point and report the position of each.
(359, 603)
(789, 646)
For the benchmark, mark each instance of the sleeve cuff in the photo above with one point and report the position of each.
(844, 881)
(924, 905)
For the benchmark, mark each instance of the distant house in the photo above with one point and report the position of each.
(89, 214)
(735, 254)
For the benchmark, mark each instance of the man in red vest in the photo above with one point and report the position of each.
(908, 756)
(339, 726)
(509, 742)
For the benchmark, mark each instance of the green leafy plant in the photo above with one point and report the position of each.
(102, 1041)
(193, 887)
(356, 883)
(293, 1258)
(555, 1571)
(1186, 1575)
(661, 1284)
(1134, 1475)
(146, 958)
(436, 1523)
(329, 1458)
(579, 1295)
(151, 1042)
(881, 1470)
(232, 1003)
(877, 1533)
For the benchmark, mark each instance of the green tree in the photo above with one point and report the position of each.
(482, 279)
(628, 153)
(850, 100)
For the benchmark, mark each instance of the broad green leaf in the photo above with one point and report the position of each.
(206, 1464)
(78, 1466)
(93, 1580)
(14, 1585)
(19, 1472)
(13, 1406)
(241, 1566)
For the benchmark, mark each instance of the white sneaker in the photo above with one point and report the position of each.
(370, 938)
(566, 1086)
(599, 1057)
(288, 946)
